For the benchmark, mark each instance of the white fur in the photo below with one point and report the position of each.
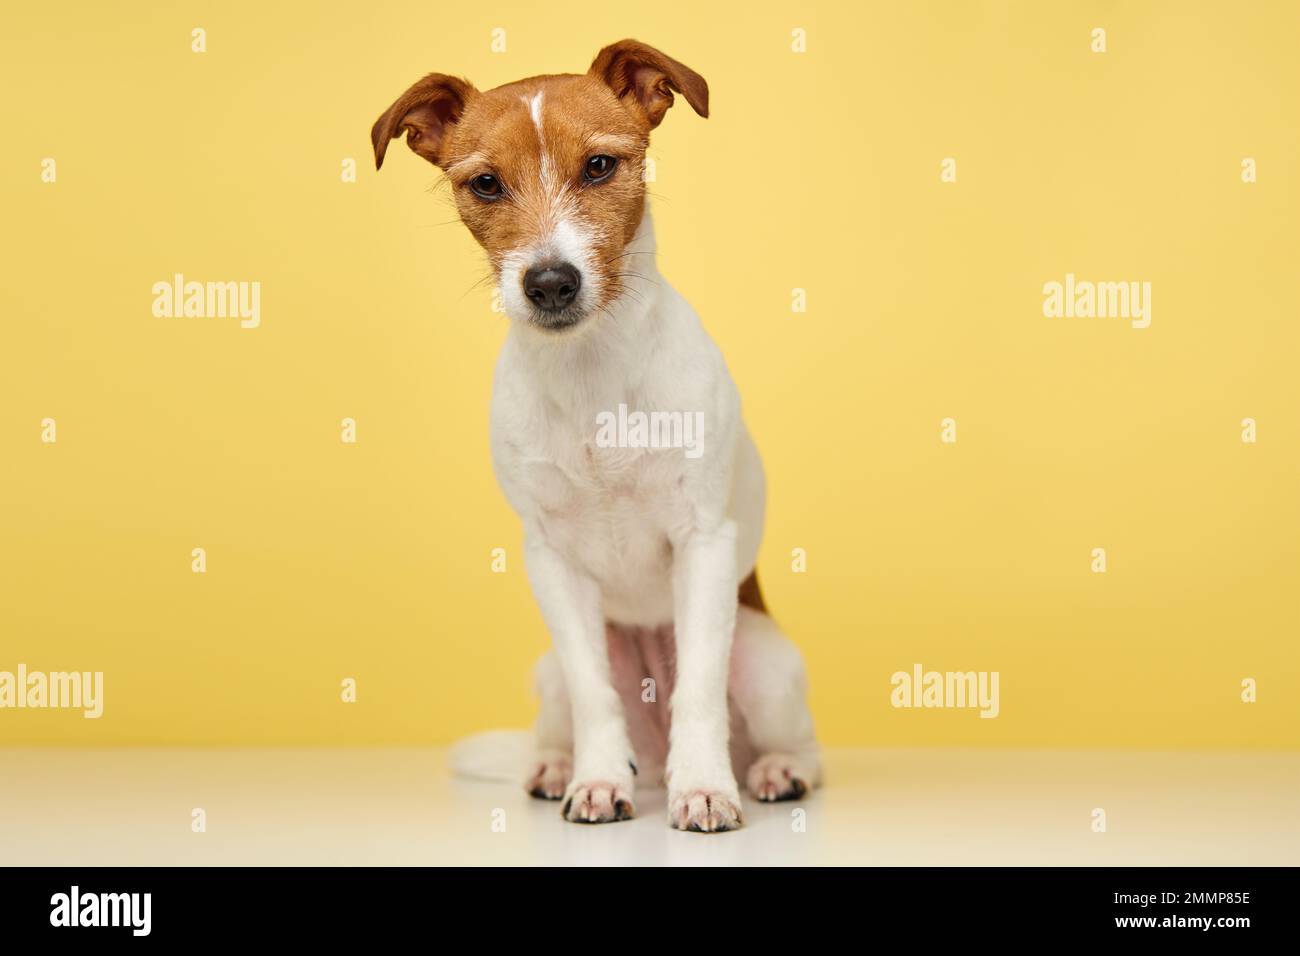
(496, 755)
(547, 167)
(568, 240)
(535, 110)
(641, 537)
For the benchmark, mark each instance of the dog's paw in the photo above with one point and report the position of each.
(704, 811)
(777, 777)
(551, 775)
(597, 802)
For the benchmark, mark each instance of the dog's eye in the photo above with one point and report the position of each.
(599, 169)
(486, 186)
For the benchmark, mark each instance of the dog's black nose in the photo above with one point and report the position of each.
(553, 287)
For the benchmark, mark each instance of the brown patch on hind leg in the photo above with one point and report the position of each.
(749, 593)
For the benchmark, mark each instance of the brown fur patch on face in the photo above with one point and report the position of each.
(538, 150)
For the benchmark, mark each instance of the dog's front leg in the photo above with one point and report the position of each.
(601, 789)
(702, 792)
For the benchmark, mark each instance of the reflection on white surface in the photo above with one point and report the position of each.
(904, 807)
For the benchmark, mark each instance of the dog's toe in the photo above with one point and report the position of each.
(705, 811)
(777, 777)
(597, 802)
(551, 775)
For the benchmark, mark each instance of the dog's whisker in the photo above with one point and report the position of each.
(637, 275)
(627, 255)
(478, 284)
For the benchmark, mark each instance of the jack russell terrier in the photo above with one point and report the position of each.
(641, 557)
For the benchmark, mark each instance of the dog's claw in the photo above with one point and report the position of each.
(550, 776)
(776, 777)
(597, 802)
(705, 811)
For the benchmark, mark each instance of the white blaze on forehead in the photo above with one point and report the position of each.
(535, 111)
(534, 104)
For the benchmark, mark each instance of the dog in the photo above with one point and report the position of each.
(641, 557)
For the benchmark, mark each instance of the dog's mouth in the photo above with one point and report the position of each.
(556, 321)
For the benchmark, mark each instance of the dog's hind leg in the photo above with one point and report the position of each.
(769, 689)
(552, 767)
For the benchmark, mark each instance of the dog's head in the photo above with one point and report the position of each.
(547, 172)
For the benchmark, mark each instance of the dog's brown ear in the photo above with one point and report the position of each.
(645, 79)
(426, 112)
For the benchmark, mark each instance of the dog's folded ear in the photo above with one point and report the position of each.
(426, 113)
(644, 79)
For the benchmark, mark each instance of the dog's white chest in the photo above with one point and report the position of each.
(609, 510)
(618, 445)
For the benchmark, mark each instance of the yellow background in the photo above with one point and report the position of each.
(817, 170)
